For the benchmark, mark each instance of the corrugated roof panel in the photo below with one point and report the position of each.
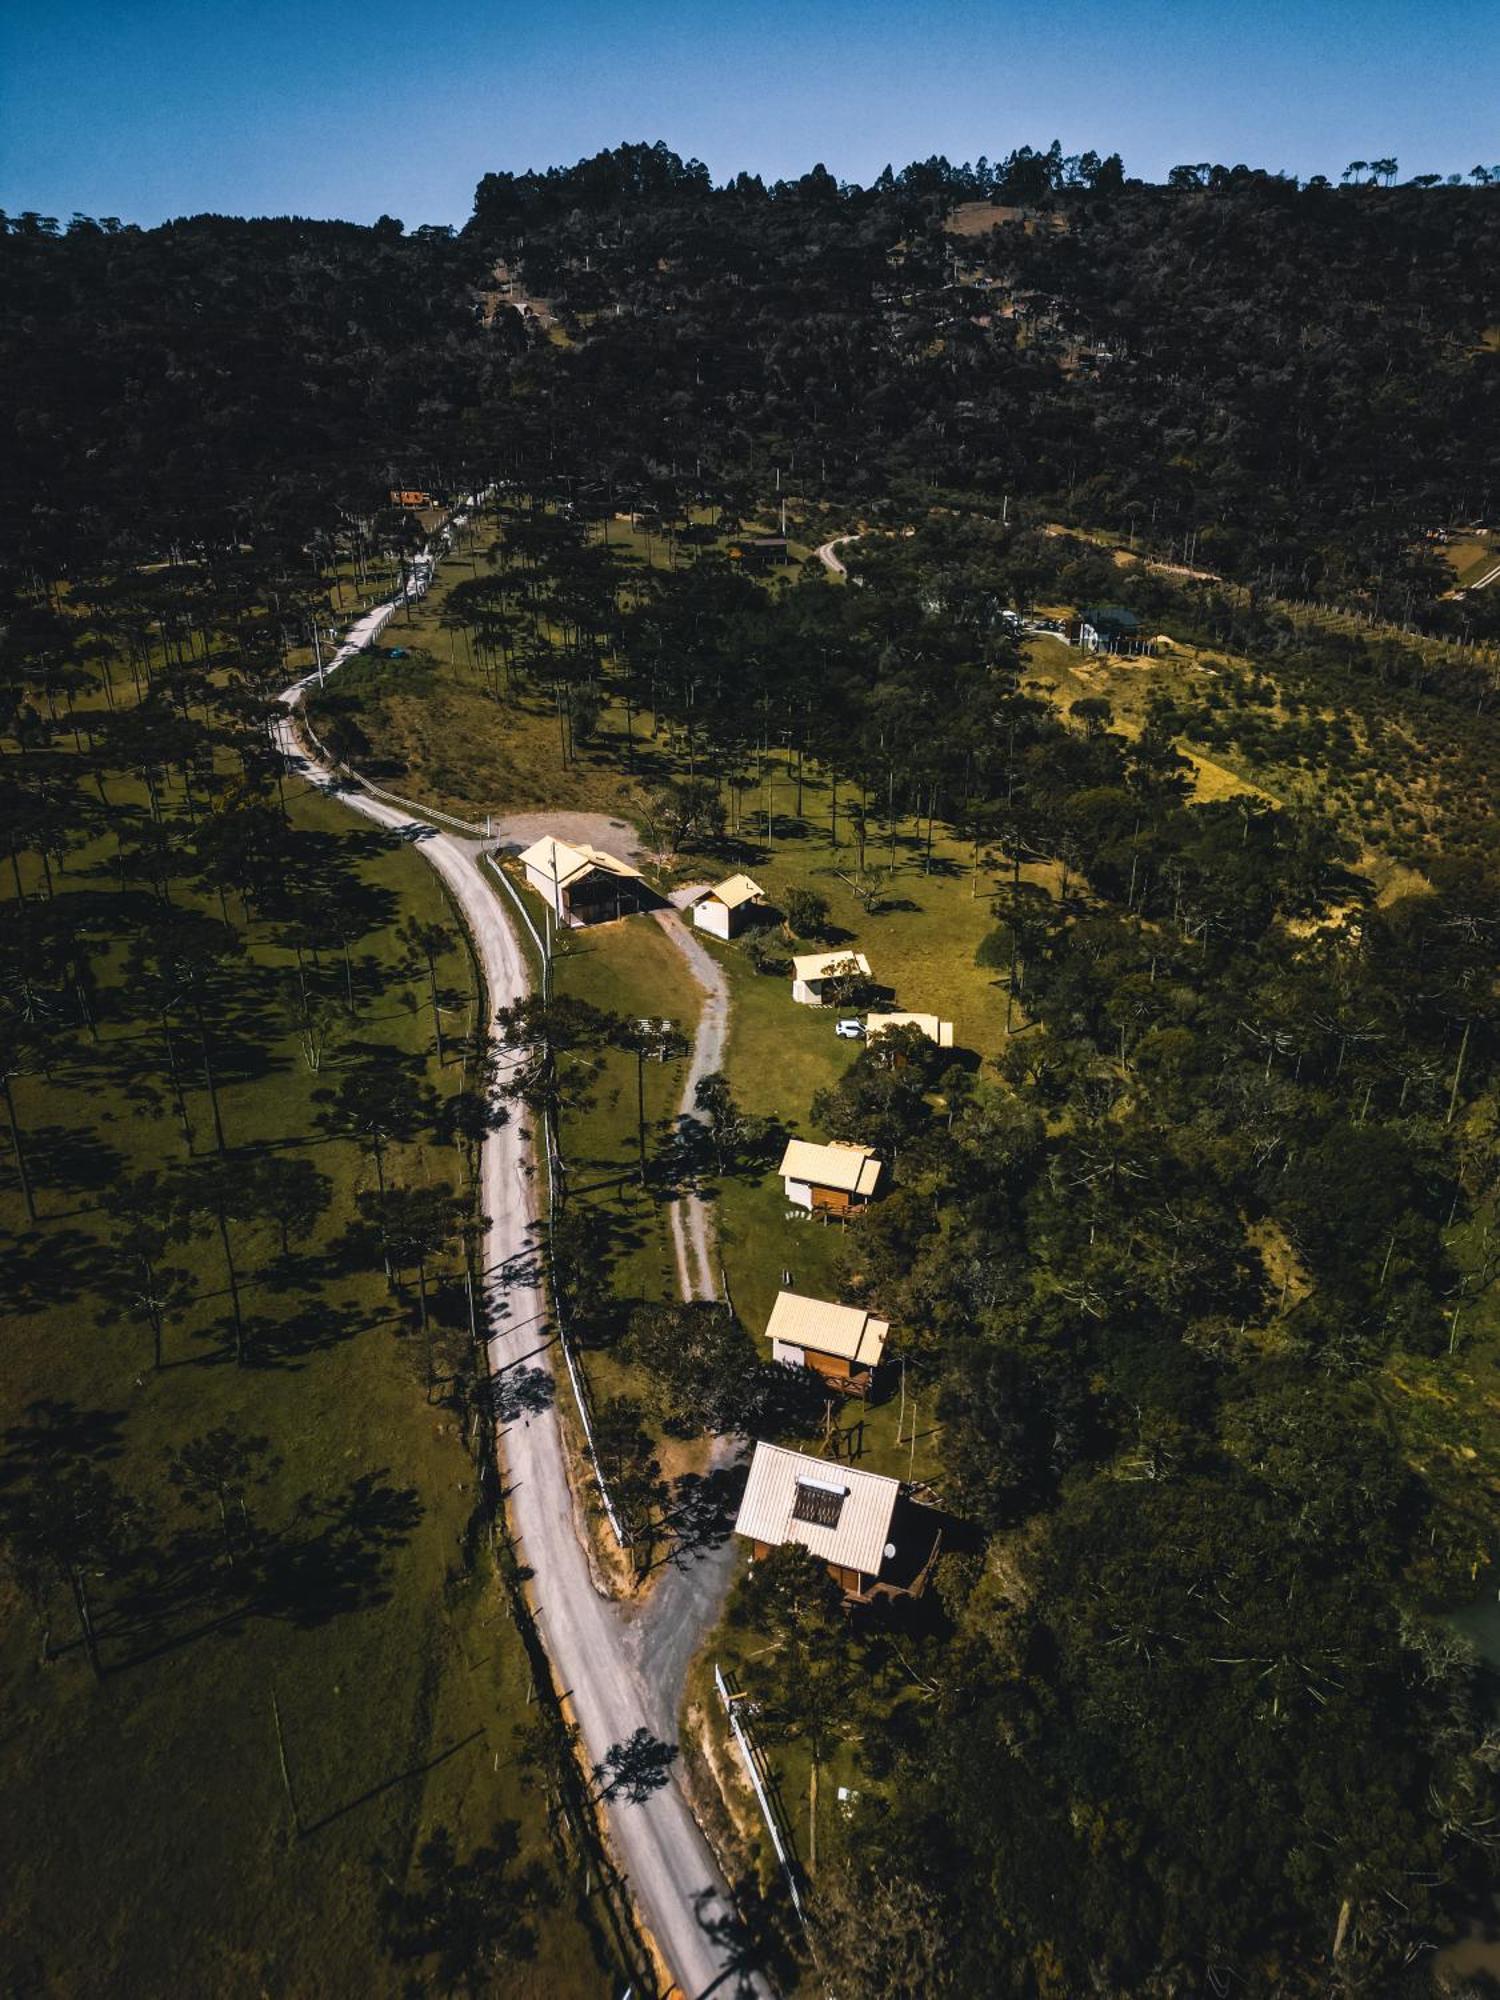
(550, 855)
(846, 1331)
(736, 890)
(824, 964)
(833, 1166)
(857, 1540)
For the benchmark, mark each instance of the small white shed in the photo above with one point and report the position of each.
(725, 909)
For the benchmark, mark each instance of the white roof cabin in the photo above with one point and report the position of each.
(932, 1027)
(838, 1513)
(811, 971)
(848, 1333)
(723, 909)
(737, 890)
(834, 1176)
(829, 964)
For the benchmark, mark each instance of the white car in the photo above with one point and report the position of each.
(850, 1030)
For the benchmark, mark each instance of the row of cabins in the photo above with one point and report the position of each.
(875, 1541)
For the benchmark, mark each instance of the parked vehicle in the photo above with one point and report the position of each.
(850, 1030)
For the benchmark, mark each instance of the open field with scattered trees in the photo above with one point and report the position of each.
(1187, 1243)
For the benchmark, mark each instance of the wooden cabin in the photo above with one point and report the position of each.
(843, 1344)
(875, 1541)
(757, 551)
(830, 1180)
(725, 909)
(930, 1025)
(582, 884)
(813, 972)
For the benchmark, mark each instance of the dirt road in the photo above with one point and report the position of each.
(828, 554)
(600, 1655)
(697, 1265)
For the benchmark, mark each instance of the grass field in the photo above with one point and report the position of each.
(147, 1843)
(1472, 559)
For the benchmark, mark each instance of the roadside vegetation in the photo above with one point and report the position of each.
(260, 1664)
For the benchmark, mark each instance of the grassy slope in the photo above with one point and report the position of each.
(146, 1845)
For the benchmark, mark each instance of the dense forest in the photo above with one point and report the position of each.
(1185, 1711)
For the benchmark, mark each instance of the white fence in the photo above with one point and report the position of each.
(771, 1812)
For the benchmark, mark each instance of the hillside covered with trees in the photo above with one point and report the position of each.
(1191, 1245)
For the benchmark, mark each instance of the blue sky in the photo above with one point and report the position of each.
(151, 108)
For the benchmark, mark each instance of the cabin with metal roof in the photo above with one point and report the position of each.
(831, 1179)
(843, 1344)
(725, 909)
(582, 884)
(813, 972)
(930, 1025)
(875, 1541)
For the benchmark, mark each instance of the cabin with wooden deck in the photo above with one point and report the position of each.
(836, 1179)
(874, 1539)
(845, 1345)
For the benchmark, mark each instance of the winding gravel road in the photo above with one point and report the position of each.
(620, 1668)
(828, 555)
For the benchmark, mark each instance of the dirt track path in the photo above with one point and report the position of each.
(697, 1264)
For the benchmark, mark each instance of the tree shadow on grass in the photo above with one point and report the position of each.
(418, 1770)
(44, 1268)
(67, 1160)
(319, 1325)
(336, 1556)
(333, 1557)
(55, 1432)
